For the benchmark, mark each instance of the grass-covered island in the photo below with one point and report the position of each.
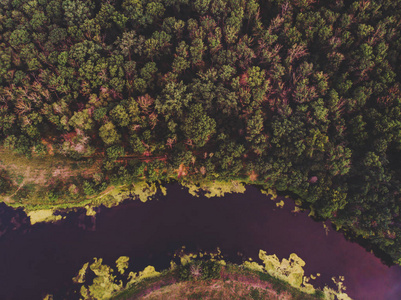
(203, 276)
(100, 99)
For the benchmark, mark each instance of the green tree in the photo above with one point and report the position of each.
(109, 134)
(198, 126)
(19, 37)
(115, 152)
(120, 116)
(81, 120)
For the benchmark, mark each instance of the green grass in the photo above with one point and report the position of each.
(165, 279)
(36, 187)
(200, 288)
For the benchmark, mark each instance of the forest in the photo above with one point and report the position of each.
(302, 96)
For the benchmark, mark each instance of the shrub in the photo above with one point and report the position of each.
(200, 270)
(89, 188)
(5, 182)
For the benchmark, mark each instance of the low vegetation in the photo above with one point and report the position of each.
(41, 184)
(203, 276)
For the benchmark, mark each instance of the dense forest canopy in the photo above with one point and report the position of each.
(303, 96)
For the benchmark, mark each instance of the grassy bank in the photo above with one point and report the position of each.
(44, 183)
(204, 276)
(232, 282)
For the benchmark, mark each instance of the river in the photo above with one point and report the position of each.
(43, 258)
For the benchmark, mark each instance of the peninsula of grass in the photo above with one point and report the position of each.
(230, 282)
(204, 276)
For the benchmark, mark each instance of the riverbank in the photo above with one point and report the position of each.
(44, 185)
(234, 282)
(204, 276)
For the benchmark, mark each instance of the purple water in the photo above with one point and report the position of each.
(46, 257)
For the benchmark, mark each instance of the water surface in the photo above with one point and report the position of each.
(44, 258)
